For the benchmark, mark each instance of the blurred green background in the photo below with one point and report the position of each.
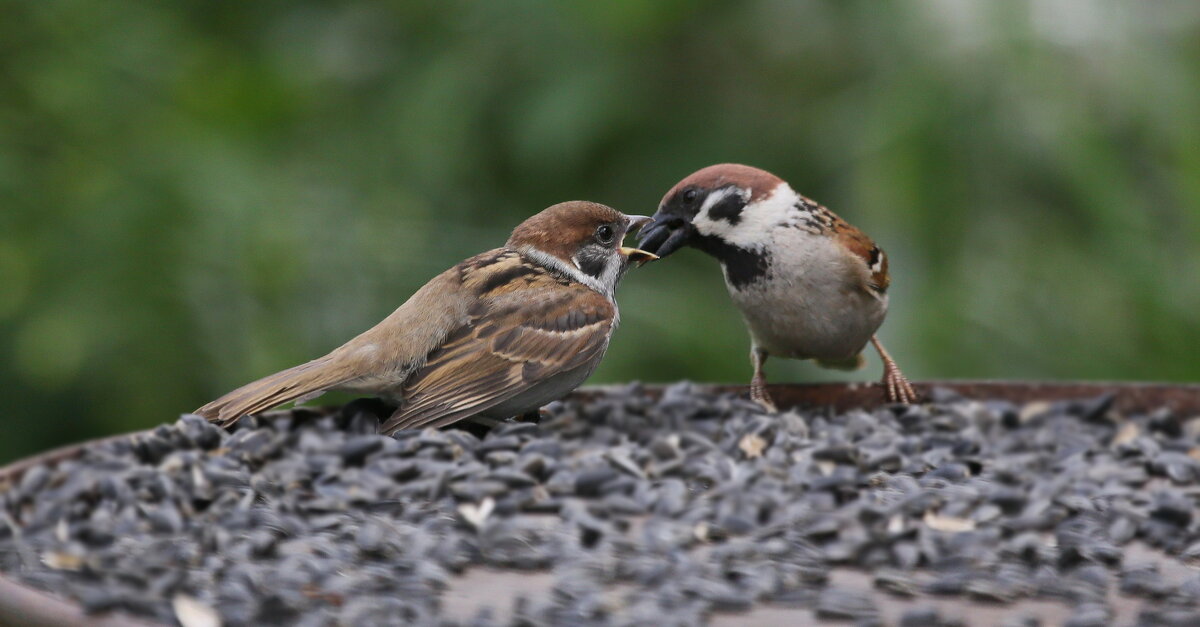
(196, 194)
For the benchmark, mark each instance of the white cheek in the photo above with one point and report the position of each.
(550, 261)
(758, 219)
(612, 274)
(707, 225)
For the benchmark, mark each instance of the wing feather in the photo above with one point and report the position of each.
(865, 252)
(511, 343)
(869, 258)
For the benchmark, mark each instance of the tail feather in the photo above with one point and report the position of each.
(306, 380)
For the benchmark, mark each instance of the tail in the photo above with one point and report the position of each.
(306, 380)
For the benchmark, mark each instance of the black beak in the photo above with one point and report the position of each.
(665, 234)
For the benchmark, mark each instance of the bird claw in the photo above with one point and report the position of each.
(758, 394)
(899, 390)
(767, 404)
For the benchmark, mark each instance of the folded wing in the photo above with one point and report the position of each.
(510, 344)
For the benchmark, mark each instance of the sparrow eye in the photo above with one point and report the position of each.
(604, 234)
(689, 195)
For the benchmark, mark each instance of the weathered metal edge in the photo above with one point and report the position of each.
(1128, 397)
(23, 606)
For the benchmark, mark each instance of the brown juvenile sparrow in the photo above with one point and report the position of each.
(498, 335)
(809, 285)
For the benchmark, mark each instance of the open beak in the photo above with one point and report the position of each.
(665, 234)
(635, 255)
(637, 222)
(638, 256)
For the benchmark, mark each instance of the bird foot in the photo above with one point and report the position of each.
(899, 390)
(758, 394)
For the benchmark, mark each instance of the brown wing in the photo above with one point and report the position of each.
(874, 261)
(871, 256)
(511, 342)
(379, 359)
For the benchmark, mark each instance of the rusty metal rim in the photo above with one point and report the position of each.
(1128, 397)
(24, 606)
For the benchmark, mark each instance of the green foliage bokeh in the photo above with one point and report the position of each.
(195, 194)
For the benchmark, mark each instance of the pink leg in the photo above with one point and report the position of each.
(898, 388)
(758, 384)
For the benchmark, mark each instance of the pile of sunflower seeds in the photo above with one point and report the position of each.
(627, 508)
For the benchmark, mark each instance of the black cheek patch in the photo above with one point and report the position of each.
(592, 262)
(729, 208)
(742, 266)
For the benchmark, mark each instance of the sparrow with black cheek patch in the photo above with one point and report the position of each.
(809, 285)
(497, 335)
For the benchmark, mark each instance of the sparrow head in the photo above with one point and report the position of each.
(726, 203)
(583, 240)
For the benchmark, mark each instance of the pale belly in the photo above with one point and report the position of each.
(810, 315)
